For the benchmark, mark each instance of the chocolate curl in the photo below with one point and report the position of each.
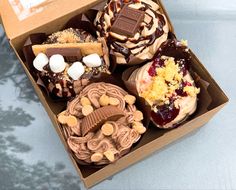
(81, 21)
(130, 84)
(92, 13)
(33, 39)
(174, 48)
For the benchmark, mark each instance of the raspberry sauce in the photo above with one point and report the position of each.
(157, 63)
(165, 114)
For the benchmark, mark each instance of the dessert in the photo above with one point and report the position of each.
(67, 61)
(101, 124)
(167, 85)
(134, 29)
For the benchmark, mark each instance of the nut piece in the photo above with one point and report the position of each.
(138, 116)
(107, 129)
(114, 101)
(104, 100)
(139, 127)
(86, 110)
(109, 155)
(62, 118)
(72, 121)
(130, 99)
(85, 101)
(96, 157)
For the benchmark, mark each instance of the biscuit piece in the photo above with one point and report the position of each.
(86, 48)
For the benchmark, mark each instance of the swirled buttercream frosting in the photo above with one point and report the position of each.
(134, 29)
(101, 124)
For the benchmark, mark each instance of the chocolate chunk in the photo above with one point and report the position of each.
(70, 54)
(128, 21)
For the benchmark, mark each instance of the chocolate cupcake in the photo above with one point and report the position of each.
(134, 29)
(167, 86)
(101, 124)
(68, 59)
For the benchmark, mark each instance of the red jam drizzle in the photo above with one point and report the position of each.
(165, 114)
(157, 63)
(180, 91)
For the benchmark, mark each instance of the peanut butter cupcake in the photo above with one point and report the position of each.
(101, 124)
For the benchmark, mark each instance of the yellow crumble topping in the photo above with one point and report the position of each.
(191, 90)
(184, 42)
(166, 82)
(67, 37)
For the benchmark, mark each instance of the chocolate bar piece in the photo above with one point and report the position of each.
(70, 54)
(128, 21)
(93, 121)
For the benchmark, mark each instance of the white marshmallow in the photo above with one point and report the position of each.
(76, 70)
(92, 60)
(57, 63)
(40, 61)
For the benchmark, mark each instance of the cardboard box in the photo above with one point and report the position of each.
(52, 18)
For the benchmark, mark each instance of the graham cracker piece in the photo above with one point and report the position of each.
(86, 48)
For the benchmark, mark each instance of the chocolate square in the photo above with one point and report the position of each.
(70, 54)
(128, 21)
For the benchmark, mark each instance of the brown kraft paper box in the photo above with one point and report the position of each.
(52, 18)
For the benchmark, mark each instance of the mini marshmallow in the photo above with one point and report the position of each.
(57, 63)
(40, 61)
(76, 70)
(92, 60)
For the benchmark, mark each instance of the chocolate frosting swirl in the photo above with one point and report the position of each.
(123, 136)
(152, 32)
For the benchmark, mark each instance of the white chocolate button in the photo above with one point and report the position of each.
(109, 155)
(57, 63)
(76, 70)
(96, 157)
(40, 61)
(92, 60)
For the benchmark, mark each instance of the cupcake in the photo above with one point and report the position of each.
(167, 86)
(67, 61)
(134, 29)
(101, 124)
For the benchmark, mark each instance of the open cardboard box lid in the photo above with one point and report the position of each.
(22, 16)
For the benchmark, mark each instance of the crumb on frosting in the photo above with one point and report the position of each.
(184, 42)
(191, 90)
(166, 82)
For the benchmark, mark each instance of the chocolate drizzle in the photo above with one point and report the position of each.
(118, 45)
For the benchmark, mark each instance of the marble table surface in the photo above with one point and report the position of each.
(32, 156)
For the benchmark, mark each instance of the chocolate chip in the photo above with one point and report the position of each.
(70, 54)
(128, 21)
